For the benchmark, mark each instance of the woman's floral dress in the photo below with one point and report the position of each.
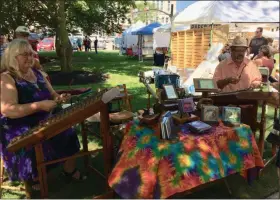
(21, 165)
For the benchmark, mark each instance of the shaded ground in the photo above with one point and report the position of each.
(75, 77)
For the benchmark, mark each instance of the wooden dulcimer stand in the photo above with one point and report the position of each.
(58, 123)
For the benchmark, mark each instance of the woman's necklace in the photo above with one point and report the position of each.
(31, 78)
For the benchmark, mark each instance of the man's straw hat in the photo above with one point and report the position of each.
(22, 29)
(239, 42)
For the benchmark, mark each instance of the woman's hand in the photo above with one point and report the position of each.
(62, 98)
(47, 105)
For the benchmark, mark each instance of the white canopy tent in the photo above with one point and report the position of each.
(238, 13)
(208, 12)
(127, 38)
(161, 37)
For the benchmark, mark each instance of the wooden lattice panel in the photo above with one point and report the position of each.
(190, 47)
(174, 48)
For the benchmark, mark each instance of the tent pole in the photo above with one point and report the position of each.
(211, 34)
(142, 39)
(139, 36)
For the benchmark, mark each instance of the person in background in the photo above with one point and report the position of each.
(87, 43)
(237, 72)
(257, 42)
(9, 38)
(225, 53)
(79, 42)
(272, 49)
(22, 32)
(95, 44)
(3, 44)
(26, 99)
(264, 58)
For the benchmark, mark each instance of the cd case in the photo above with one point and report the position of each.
(199, 126)
(186, 105)
(210, 114)
(231, 115)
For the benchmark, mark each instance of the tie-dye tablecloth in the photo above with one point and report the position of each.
(151, 168)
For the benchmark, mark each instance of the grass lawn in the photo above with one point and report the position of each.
(124, 70)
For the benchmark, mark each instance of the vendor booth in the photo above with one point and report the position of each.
(206, 18)
(161, 40)
(185, 141)
(212, 25)
(161, 37)
(129, 40)
(145, 38)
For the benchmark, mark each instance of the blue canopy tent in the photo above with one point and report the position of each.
(127, 38)
(146, 30)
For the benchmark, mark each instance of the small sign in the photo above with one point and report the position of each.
(196, 26)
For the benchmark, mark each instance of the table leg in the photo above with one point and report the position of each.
(274, 146)
(278, 172)
(262, 129)
(130, 105)
(27, 190)
(149, 100)
(85, 144)
(107, 142)
(42, 173)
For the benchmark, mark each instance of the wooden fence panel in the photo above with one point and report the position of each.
(190, 47)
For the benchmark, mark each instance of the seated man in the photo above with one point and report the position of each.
(237, 72)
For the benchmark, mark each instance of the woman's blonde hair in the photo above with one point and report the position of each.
(8, 60)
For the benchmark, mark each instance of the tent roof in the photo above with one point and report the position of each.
(167, 28)
(134, 27)
(208, 12)
(146, 30)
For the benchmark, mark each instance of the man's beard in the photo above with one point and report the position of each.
(238, 58)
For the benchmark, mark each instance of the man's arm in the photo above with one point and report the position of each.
(255, 75)
(218, 77)
(223, 83)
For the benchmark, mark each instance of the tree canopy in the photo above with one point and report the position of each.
(90, 15)
(143, 16)
(63, 16)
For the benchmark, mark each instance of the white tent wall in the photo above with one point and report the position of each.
(161, 39)
(127, 38)
(131, 40)
(208, 12)
(147, 48)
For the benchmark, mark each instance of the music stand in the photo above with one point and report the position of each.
(205, 86)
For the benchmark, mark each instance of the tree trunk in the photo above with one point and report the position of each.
(63, 46)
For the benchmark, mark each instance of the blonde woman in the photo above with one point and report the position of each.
(26, 99)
